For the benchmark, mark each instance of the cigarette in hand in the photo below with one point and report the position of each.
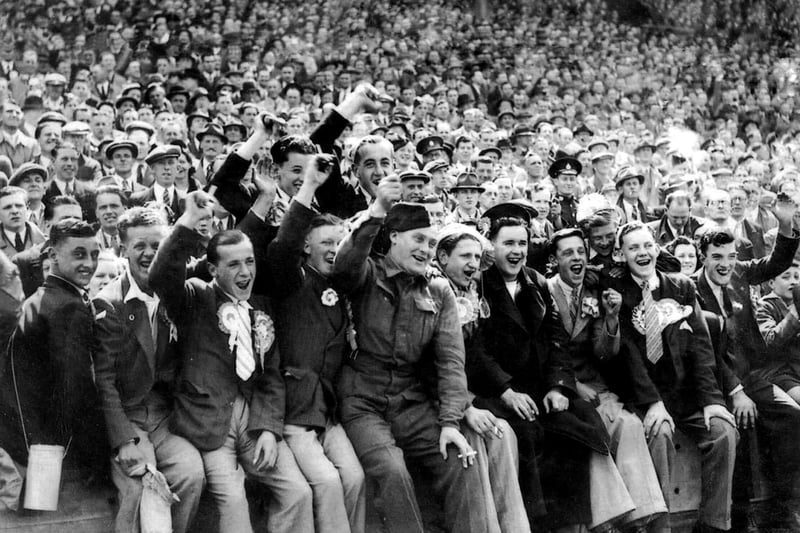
(496, 430)
(468, 454)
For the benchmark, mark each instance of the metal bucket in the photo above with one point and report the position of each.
(43, 479)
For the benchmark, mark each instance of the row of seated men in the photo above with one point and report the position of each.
(314, 355)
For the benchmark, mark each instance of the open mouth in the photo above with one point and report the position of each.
(644, 261)
(576, 269)
(243, 285)
(723, 271)
(514, 260)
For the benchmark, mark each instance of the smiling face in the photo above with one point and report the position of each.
(719, 262)
(376, 161)
(109, 208)
(107, 271)
(566, 184)
(639, 250)
(687, 255)
(290, 172)
(235, 269)
(571, 259)
(139, 247)
(510, 251)
(320, 247)
(75, 259)
(463, 263)
(413, 250)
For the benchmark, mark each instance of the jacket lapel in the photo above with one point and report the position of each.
(708, 300)
(561, 303)
(502, 301)
(581, 320)
(139, 322)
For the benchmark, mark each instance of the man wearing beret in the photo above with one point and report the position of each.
(564, 173)
(399, 313)
(162, 161)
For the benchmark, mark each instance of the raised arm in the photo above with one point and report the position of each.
(762, 270)
(168, 271)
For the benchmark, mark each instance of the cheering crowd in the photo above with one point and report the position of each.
(341, 252)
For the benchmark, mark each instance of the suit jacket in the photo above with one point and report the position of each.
(149, 195)
(336, 195)
(32, 237)
(29, 264)
(684, 377)
(116, 181)
(311, 334)
(83, 193)
(89, 169)
(52, 358)
(129, 366)
(569, 211)
(663, 232)
(755, 235)
(623, 216)
(748, 351)
(590, 344)
(780, 330)
(207, 383)
(526, 349)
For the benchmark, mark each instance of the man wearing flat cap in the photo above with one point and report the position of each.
(77, 133)
(122, 156)
(564, 173)
(162, 161)
(415, 184)
(399, 313)
(31, 178)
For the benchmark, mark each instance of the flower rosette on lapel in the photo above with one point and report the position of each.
(329, 297)
(590, 307)
(669, 312)
(264, 333)
(465, 309)
(227, 322)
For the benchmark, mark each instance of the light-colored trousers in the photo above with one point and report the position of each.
(331, 467)
(290, 507)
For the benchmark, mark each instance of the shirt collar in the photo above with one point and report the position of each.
(653, 282)
(567, 288)
(243, 303)
(80, 290)
(135, 292)
(159, 190)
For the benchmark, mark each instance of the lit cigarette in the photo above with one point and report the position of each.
(469, 454)
(496, 430)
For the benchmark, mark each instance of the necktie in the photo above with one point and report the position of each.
(573, 305)
(19, 244)
(634, 213)
(126, 185)
(69, 189)
(727, 306)
(652, 326)
(209, 172)
(165, 197)
(245, 361)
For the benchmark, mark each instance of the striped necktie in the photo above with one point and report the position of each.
(652, 326)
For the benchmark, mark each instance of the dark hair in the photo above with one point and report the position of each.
(600, 218)
(68, 228)
(139, 217)
(56, 201)
(300, 144)
(560, 235)
(504, 222)
(111, 189)
(369, 139)
(223, 238)
(716, 237)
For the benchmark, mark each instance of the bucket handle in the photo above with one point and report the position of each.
(10, 351)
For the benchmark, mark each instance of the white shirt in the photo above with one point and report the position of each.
(159, 193)
(11, 236)
(653, 282)
(567, 289)
(629, 209)
(62, 185)
(513, 289)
